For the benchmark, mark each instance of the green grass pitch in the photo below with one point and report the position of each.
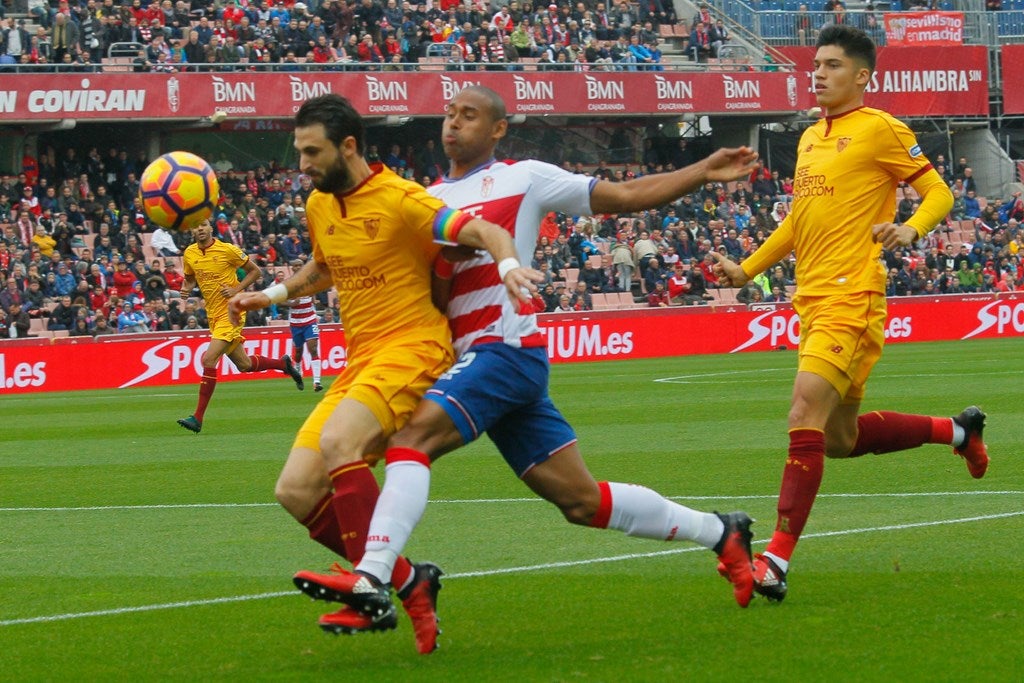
(133, 550)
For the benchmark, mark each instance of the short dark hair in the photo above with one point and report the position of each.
(339, 118)
(854, 42)
(497, 105)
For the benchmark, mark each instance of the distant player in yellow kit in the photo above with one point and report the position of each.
(848, 167)
(213, 265)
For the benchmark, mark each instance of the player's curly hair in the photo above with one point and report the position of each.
(855, 43)
(339, 118)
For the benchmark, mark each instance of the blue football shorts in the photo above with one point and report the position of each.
(503, 390)
(300, 335)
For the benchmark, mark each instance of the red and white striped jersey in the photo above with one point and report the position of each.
(516, 196)
(302, 312)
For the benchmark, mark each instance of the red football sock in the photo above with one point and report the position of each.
(800, 481)
(261, 363)
(885, 432)
(355, 496)
(323, 526)
(206, 387)
(604, 509)
(401, 574)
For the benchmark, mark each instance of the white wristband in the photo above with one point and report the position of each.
(506, 265)
(276, 293)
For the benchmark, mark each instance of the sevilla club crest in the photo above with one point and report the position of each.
(843, 143)
(486, 186)
(372, 227)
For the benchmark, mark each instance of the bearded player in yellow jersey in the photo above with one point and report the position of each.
(213, 265)
(375, 238)
(848, 167)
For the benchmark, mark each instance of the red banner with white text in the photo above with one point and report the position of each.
(1013, 78)
(914, 81)
(903, 29)
(248, 95)
(68, 363)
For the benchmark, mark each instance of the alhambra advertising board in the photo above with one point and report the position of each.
(915, 81)
(142, 360)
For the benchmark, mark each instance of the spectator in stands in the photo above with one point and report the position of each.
(581, 299)
(62, 317)
(564, 304)
(101, 327)
(750, 293)
(622, 57)
(623, 265)
(18, 323)
(592, 276)
(658, 296)
(654, 274)
(720, 35)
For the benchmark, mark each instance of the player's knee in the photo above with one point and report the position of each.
(298, 496)
(839, 445)
(338, 450)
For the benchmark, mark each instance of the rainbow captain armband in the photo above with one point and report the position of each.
(447, 224)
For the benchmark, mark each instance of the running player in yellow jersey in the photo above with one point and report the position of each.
(213, 265)
(848, 167)
(375, 238)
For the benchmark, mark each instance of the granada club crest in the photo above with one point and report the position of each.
(486, 186)
(843, 143)
(372, 227)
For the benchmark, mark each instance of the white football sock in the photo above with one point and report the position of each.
(639, 511)
(399, 508)
(316, 370)
(959, 435)
(779, 562)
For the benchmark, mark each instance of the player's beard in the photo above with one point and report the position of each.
(335, 179)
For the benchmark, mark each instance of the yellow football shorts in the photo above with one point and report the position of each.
(389, 381)
(841, 339)
(221, 328)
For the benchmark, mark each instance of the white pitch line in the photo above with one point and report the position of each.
(472, 501)
(492, 572)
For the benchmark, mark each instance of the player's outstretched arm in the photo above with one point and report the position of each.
(312, 278)
(655, 190)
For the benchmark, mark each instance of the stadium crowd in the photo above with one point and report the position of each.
(78, 253)
(335, 35)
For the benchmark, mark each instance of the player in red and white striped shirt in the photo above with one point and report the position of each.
(499, 384)
(303, 321)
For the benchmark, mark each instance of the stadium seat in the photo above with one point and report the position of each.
(432, 63)
(117, 64)
(727, 295)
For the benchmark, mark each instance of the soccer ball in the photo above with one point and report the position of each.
(179, 191)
